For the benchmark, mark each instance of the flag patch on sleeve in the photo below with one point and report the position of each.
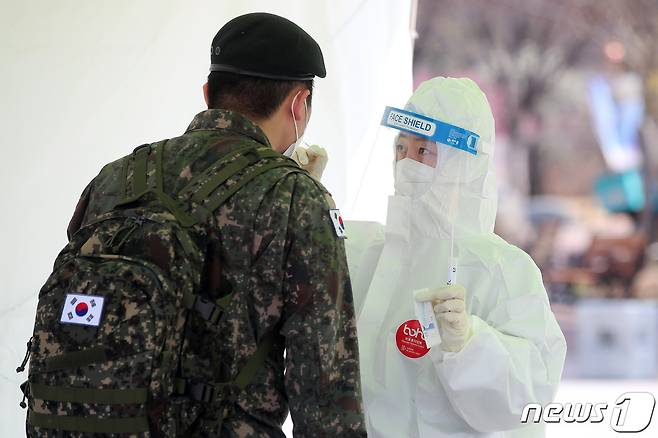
(337, 219)
(82, 309)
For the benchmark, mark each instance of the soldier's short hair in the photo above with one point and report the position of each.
(249, 95)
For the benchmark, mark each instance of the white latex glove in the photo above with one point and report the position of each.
(314, 159)
(450, 311)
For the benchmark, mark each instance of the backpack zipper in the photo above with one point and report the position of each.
(130, 225)
(21, 367)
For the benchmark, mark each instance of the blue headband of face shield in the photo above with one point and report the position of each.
(435, 130)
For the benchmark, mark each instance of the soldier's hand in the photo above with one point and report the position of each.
(314, 159)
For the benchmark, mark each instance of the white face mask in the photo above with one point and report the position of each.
(291, 148)
(288, 152)
(413, 178)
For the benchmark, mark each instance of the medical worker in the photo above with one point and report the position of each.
(501, 347)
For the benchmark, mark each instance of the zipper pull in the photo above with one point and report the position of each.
(130, 225)
(21, 367)
(25, 388)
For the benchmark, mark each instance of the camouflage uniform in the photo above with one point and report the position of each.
(273, 244)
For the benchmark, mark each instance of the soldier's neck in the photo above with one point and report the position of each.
(276, 131)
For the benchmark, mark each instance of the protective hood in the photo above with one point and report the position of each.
(463, 192)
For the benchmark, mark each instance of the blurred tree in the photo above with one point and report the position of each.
(521, 46)
(634, 24)
(525, 46)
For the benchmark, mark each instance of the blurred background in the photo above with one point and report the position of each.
(573, 85)
(574, 89)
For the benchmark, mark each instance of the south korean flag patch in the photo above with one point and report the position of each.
(82, 310)
(337, 219)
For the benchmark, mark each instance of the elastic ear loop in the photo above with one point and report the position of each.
(292, 111)
(294, 121)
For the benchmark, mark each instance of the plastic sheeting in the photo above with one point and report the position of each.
(85, 82)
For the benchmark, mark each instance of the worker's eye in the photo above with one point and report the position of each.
(424, 151)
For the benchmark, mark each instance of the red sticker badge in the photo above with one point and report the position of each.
(410, 340)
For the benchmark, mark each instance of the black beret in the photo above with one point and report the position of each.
(267, 46)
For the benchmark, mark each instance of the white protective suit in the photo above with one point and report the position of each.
(516, 352)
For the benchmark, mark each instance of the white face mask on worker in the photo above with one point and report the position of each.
(299, 138)
(412, 178)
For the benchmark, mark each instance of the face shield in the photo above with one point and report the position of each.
(438, 175)
(426, 149)
(427, 155)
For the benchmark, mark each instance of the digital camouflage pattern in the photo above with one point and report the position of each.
(272, 246)
(133, 355)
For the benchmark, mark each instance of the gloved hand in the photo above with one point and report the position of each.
(450, 311)
(314, 159)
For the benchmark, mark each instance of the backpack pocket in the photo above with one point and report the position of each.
(100, 360)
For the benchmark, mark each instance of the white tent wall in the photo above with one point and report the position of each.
(83, 82)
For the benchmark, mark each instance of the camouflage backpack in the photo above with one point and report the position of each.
(109, 338)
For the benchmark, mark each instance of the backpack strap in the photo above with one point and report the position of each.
(239, 167)
(143, 181)
(214, 202)
(146, 172)
(197, 192)
(223, 169)
(256, 361)
(227, 392)
(88, 395)
(131, 425)
(140, 168)
(72, 423)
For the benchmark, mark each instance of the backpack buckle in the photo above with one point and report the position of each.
(207, 393)
(201, 392)
(207, 309)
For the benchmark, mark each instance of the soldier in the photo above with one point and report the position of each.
(273, 243)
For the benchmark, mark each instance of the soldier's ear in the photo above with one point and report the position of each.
(205, 94)
(298, 96)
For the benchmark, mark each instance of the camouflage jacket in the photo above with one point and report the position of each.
(277, 233)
